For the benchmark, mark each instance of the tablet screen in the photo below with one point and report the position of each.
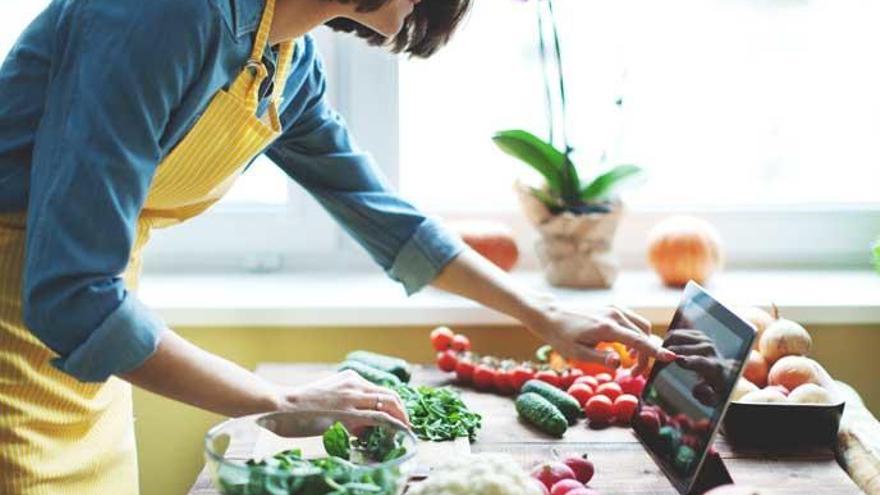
(689, 395)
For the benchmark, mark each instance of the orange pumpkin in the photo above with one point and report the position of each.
(683, 248)
(493, 240)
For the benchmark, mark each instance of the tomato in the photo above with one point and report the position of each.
(447, 360)
(632, 384)
(504, 382)
(464, 371)
(484, 377)
(588, 380)
(624, 407)
(441, 338)
(461, 343)
(550, 377)
(569, 376)
(581, 392)
(603, 378)
(599, 409)
(520, 376)
(611, 390)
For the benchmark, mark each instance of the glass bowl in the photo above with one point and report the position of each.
(235, 447)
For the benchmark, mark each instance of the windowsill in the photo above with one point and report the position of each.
(371, 299)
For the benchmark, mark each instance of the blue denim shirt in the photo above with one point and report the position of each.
(92, 97)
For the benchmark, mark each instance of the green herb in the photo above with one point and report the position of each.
(379, 444)
(337, 441)
(439, 414)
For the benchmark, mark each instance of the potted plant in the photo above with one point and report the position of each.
(577, 218)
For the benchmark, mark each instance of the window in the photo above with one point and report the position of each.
(763, 116)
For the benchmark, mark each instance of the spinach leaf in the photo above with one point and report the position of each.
(337, 441)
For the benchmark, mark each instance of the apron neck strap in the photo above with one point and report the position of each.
(263, 31)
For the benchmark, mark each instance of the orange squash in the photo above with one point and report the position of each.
(684, 248)
(493, 240)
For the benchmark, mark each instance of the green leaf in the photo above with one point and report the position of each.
(540, 155)
(604, 185)
(337, 441)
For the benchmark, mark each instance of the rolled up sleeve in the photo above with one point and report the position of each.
(317, 151)
(112, 88)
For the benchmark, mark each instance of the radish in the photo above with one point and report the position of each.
(552, 472)
(581, 466)
(563, 487)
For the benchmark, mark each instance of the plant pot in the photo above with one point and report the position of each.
(575, 250)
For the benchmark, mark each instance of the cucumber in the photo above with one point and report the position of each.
(541, 413)
(394, 365)
(566, 404)
(371, 374)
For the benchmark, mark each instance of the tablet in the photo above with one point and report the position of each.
(688, 397)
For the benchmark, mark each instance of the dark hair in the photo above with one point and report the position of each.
(425, 31)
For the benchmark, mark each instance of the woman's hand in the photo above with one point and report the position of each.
(345, 391)
(576, 334)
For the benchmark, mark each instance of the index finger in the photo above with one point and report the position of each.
(642, 344)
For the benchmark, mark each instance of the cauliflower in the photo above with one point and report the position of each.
(478, 474)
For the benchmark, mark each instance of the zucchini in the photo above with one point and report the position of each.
(540, 412)
(394, 365)
(371, 374)
(566, 404)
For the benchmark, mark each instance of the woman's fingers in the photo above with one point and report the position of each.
(382, 402)
(645, 347)
(589, 354)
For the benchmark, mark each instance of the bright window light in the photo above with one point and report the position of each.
(726, 103)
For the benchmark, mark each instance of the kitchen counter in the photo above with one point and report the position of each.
(622, 464)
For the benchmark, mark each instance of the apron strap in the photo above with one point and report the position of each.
(247, 84)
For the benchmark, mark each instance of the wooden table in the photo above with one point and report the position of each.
(622, 465)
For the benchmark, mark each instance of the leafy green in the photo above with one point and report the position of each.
(332, 475)
(337, 441)
(439, 414)
(379, 444)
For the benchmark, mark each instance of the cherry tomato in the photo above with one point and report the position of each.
(632, 384)
(504, 382)
(549, 376)
(589, 380)
(581, 392)
(441, 338)
(610, 389)
(464, 371)
(624, 407)
(461, 343)
(599, 409)
(569, 376)
(520, 376)
(603, 378)
(447, 360)
(484, 377)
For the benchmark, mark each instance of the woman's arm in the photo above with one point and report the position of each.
(574, 334)
(182, 371)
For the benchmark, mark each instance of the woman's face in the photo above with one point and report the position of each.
(389, 19)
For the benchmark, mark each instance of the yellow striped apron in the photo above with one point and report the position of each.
(60, 436)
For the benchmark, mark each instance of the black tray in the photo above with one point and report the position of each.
(782, 425)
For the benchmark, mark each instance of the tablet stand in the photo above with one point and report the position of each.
(712, 474)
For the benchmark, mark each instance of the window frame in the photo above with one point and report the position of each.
(364, 82)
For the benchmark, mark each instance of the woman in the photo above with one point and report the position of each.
(120, 116)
